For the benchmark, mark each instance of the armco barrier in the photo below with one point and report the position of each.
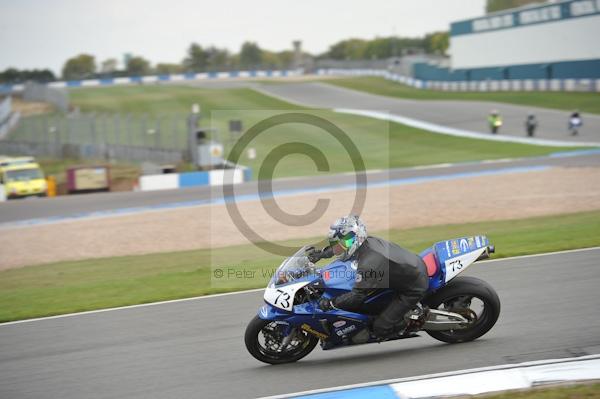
(585, 85)
(172, 181)
(159, 182)
(9, 88)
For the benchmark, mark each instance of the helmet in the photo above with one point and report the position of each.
(346, 235)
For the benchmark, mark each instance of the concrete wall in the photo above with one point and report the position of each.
(591, 85)
(403, 65)
(586, 69)
(564, 40)
(194, 179)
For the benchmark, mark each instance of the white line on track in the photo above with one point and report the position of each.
(246, 292)
(143, 305)
(567, 251)
(451, 131)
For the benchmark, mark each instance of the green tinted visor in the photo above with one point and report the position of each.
(345, 241)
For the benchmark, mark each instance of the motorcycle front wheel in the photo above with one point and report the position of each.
(265, 341)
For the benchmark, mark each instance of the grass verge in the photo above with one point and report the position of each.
(382, 145)
(66, 287)
(567, 101)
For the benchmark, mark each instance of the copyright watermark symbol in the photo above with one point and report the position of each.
(323, 152)
(265, 175)
(218, 273)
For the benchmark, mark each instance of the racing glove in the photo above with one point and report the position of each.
(326, 305)
(314, 255)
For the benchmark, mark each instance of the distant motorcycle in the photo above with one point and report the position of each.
(290, 324)
(575, 124)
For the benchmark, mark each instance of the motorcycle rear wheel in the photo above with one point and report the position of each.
(461, 290)
(261, 335)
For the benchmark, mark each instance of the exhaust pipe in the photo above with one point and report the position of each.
(486, 254)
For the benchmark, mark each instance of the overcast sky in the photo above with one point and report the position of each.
(44, 33)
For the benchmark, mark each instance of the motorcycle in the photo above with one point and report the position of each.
(575, 124)
(290, 324)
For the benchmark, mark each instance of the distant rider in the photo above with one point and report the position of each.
(531, 124)
(495, 121)
(575, 122)
(402, 271)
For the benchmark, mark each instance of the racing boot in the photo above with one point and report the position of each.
(385, 328)
(415, 319)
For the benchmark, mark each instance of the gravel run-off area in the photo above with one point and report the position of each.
(498, 197)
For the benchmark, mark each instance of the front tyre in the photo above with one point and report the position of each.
(472, 298)
(265, 340)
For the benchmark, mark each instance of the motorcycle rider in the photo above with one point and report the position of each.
(575, 122)
(495, 121)
(380, 264)
(531, 124)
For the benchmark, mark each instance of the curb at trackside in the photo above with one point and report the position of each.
(466, 382)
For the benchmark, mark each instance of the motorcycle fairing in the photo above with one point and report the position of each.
(283, 296)
(459, 246)
(335, 326)
(453, 257)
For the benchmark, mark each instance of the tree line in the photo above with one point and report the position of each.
(386, 47)
(499, 5)
(211, 58)
(13, 75)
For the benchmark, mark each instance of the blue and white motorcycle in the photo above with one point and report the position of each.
(290, 324)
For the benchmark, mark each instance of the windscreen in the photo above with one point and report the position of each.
(293, 268)
(23, 175)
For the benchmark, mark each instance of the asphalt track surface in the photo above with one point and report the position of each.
(467, 115)
(48, 209)
(195, 348)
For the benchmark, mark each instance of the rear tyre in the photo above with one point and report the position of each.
(472, 298)
(263, 340)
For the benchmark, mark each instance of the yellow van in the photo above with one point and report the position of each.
(23, 179)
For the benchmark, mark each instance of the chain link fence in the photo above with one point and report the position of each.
(33, 91)
(5, 113)
(123, 137)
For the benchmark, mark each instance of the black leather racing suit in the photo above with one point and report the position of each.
(383, 264)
